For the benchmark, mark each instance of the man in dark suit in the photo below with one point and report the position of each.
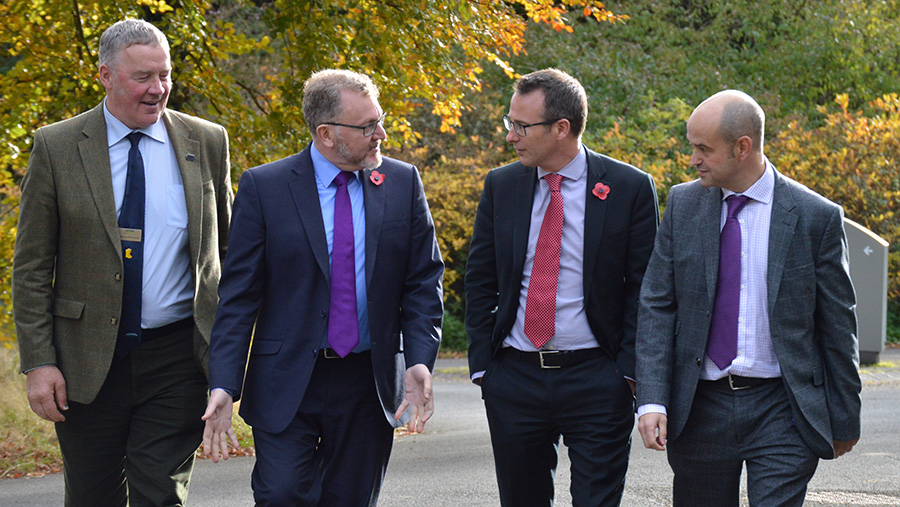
(113, 318)
(324, 386)
(552, 283)
(746, 346)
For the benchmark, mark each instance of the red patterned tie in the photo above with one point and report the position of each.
(540, 306)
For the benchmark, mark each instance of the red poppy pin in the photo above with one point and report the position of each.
(601, 191)
(378, 178)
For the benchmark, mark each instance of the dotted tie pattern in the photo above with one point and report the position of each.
(540, 305)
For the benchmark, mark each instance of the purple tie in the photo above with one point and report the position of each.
(343, 321)
(723, 329)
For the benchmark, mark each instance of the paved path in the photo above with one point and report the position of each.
(451, 464)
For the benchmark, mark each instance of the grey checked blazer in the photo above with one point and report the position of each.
(811, 307)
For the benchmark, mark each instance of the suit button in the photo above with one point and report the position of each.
(322, 313)
(699, 362)
(113, 321)
(118, 276)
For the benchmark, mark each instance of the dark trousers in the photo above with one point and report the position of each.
(134, 444)
(590, 404)
(726, 429)
(336, 450)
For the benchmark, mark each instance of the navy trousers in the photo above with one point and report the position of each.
(589, 404)
(336, 450)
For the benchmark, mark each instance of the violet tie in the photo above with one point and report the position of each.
(343, 320)
(131, 229)
(540, 304)
(723, 329)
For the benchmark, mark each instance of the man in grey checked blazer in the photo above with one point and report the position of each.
(792, 393)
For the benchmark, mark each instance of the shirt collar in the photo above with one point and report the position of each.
(116, 130)
(325, 171)
(761, 191)
(575, 170)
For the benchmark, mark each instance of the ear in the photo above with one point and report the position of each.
(326, 136)
(563, 129)
(744, 147)
(106, 76)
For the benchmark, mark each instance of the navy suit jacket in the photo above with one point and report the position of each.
(277, 278)
(810, 303)
(618, 240)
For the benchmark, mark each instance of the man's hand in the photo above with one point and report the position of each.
(419, 397)
(652, 426)
(842, 447)
(46, 390)
(218, 430)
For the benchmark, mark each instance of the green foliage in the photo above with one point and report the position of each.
(454, 338)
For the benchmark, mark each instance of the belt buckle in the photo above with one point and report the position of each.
(541, 356)
(330, 354)
(731, 384)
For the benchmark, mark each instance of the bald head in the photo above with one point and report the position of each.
(739, 116)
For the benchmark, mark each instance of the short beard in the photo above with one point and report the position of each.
(344, 152)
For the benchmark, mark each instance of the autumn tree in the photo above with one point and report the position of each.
(242, 64)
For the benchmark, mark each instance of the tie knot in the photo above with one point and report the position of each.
(135, 138)
(735, 204)
(343, 177)
(553, 181)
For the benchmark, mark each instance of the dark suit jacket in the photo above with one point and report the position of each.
(618, 239)
(810, 303)
(67, 287)
(277, 277)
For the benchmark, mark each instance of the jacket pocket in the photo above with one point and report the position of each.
(265, 347)
(67, 308)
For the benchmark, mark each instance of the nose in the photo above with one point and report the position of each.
(695, 159)
(379, 133)
(511, 136)
(157, 86)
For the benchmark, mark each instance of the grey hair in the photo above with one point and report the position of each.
(322, 94)
(564, 97)
(126, 33)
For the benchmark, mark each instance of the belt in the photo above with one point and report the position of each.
(158, 332)
(738, 383)
(552, 358)
(326, 353)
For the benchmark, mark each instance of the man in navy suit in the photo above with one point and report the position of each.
(324, 388)
(766, 378)
(552, 343)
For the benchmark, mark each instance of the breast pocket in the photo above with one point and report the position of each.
(176, 209)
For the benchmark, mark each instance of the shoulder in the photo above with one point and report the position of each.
(615, 167)
(193, 122)
(74, 125)
(802, 195)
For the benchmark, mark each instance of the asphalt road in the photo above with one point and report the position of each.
(451, 464)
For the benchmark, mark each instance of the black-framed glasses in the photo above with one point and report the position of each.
(367, 130)
(520, 127)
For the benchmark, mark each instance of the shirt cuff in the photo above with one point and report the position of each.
(651, 408)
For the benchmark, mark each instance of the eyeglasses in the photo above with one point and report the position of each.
(520, 127)
(367, 129)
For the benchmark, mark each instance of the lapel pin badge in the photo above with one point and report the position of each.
(601, 191)
(190, 157)
(377, 178)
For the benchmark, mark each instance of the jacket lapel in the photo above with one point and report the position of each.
(781, 232)
(94, 151)
(594, 220)
(373, 199)
(525, 183)
(712, 219)
(305, 192)
(187, 156)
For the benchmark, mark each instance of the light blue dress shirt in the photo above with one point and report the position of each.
(325, 173)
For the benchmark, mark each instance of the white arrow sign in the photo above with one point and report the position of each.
(868, 250)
